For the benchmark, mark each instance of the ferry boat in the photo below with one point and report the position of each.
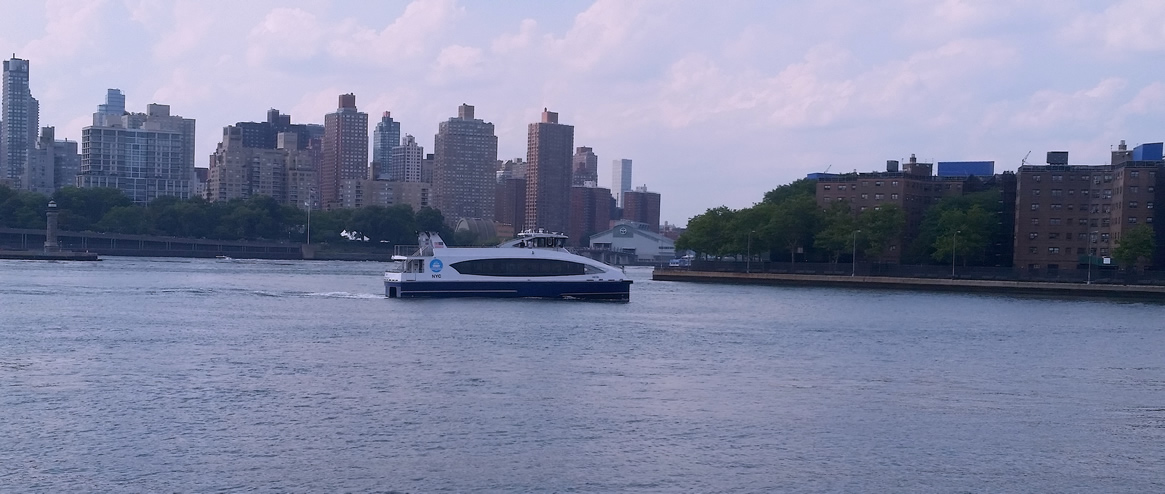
(536, 264)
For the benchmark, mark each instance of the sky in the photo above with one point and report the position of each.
(715, 102)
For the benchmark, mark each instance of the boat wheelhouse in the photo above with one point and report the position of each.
(536, 264)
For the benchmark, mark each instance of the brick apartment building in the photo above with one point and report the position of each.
(914, 189)
(1070, 215)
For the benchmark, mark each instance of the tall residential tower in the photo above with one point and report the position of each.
(548, 150)
(585, 167)
(385, 137)
(465, 152)
(345, 149)
(19, 122)
(406, 161)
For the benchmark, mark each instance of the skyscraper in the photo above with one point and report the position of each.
(642, 206)
(590, 213)
(345, 147)
(548, 151)
(405, 161)
(20, 122)
(145, 155)
(385, 137)
(465, 153)
(585, 167)
(51, 165)
(303, 166)
(265, 135)
(110, 113)
(66, 160)
(238, 171)
(620, 179)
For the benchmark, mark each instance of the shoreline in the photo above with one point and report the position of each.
(1140, 292)
(32, 255)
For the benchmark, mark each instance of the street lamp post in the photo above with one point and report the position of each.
(954, 239)
(310, 203)
(854, 257)
(748, 258)
(1091, 240)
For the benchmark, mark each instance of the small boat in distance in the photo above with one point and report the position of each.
(536, 264)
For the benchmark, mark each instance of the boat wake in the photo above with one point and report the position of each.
(346, 295)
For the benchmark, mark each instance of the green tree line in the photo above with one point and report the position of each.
(256, 218)
(787, 225)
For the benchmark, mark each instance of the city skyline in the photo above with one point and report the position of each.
(718, 106)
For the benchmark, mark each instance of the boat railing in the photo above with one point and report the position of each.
(407, 250)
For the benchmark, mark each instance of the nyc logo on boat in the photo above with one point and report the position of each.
(435, 265)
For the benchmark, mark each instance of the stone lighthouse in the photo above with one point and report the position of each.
(50, 237)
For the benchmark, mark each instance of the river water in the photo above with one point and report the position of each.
(164, 375)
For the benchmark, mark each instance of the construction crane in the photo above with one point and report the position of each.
(1024, 160)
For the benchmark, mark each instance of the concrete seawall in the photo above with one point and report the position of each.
(1140, 292)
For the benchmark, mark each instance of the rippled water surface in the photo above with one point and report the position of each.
(156, 375)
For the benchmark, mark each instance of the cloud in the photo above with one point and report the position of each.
(826, 87)
(1048, 109)
(70, 28)
(605, 29)
(512, 42)
(185, 90)
(146, 12)
(457, 62)
(943, 78)
(284, 34)
(191, 26)
(946, 18)
(1149, 100)
(1128, 26)
(409, 36)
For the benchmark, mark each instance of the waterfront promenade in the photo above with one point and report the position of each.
(1145, 292)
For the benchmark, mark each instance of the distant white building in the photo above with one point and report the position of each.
(635, 238)
(620, 179)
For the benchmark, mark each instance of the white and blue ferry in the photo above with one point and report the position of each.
(536, 264)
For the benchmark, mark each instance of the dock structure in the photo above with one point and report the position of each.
(1140, 292)
(608, 256)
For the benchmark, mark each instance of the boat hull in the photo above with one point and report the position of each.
(619, 290)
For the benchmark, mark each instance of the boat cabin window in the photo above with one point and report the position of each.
(520, 267)
(395, 267)
(588, 269)
(543, 242)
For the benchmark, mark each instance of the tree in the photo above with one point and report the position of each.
(837, 234)
(793, 224)
(189, 218)
(993, 240)
(390, 225)
(967, 232)
(82, 208)
(706, 233)
(881, 227)
(431, 220)
(746, 224)
(133, 220)
(22, 209)
(1135, 247)
(802, 187)
(327, 225)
